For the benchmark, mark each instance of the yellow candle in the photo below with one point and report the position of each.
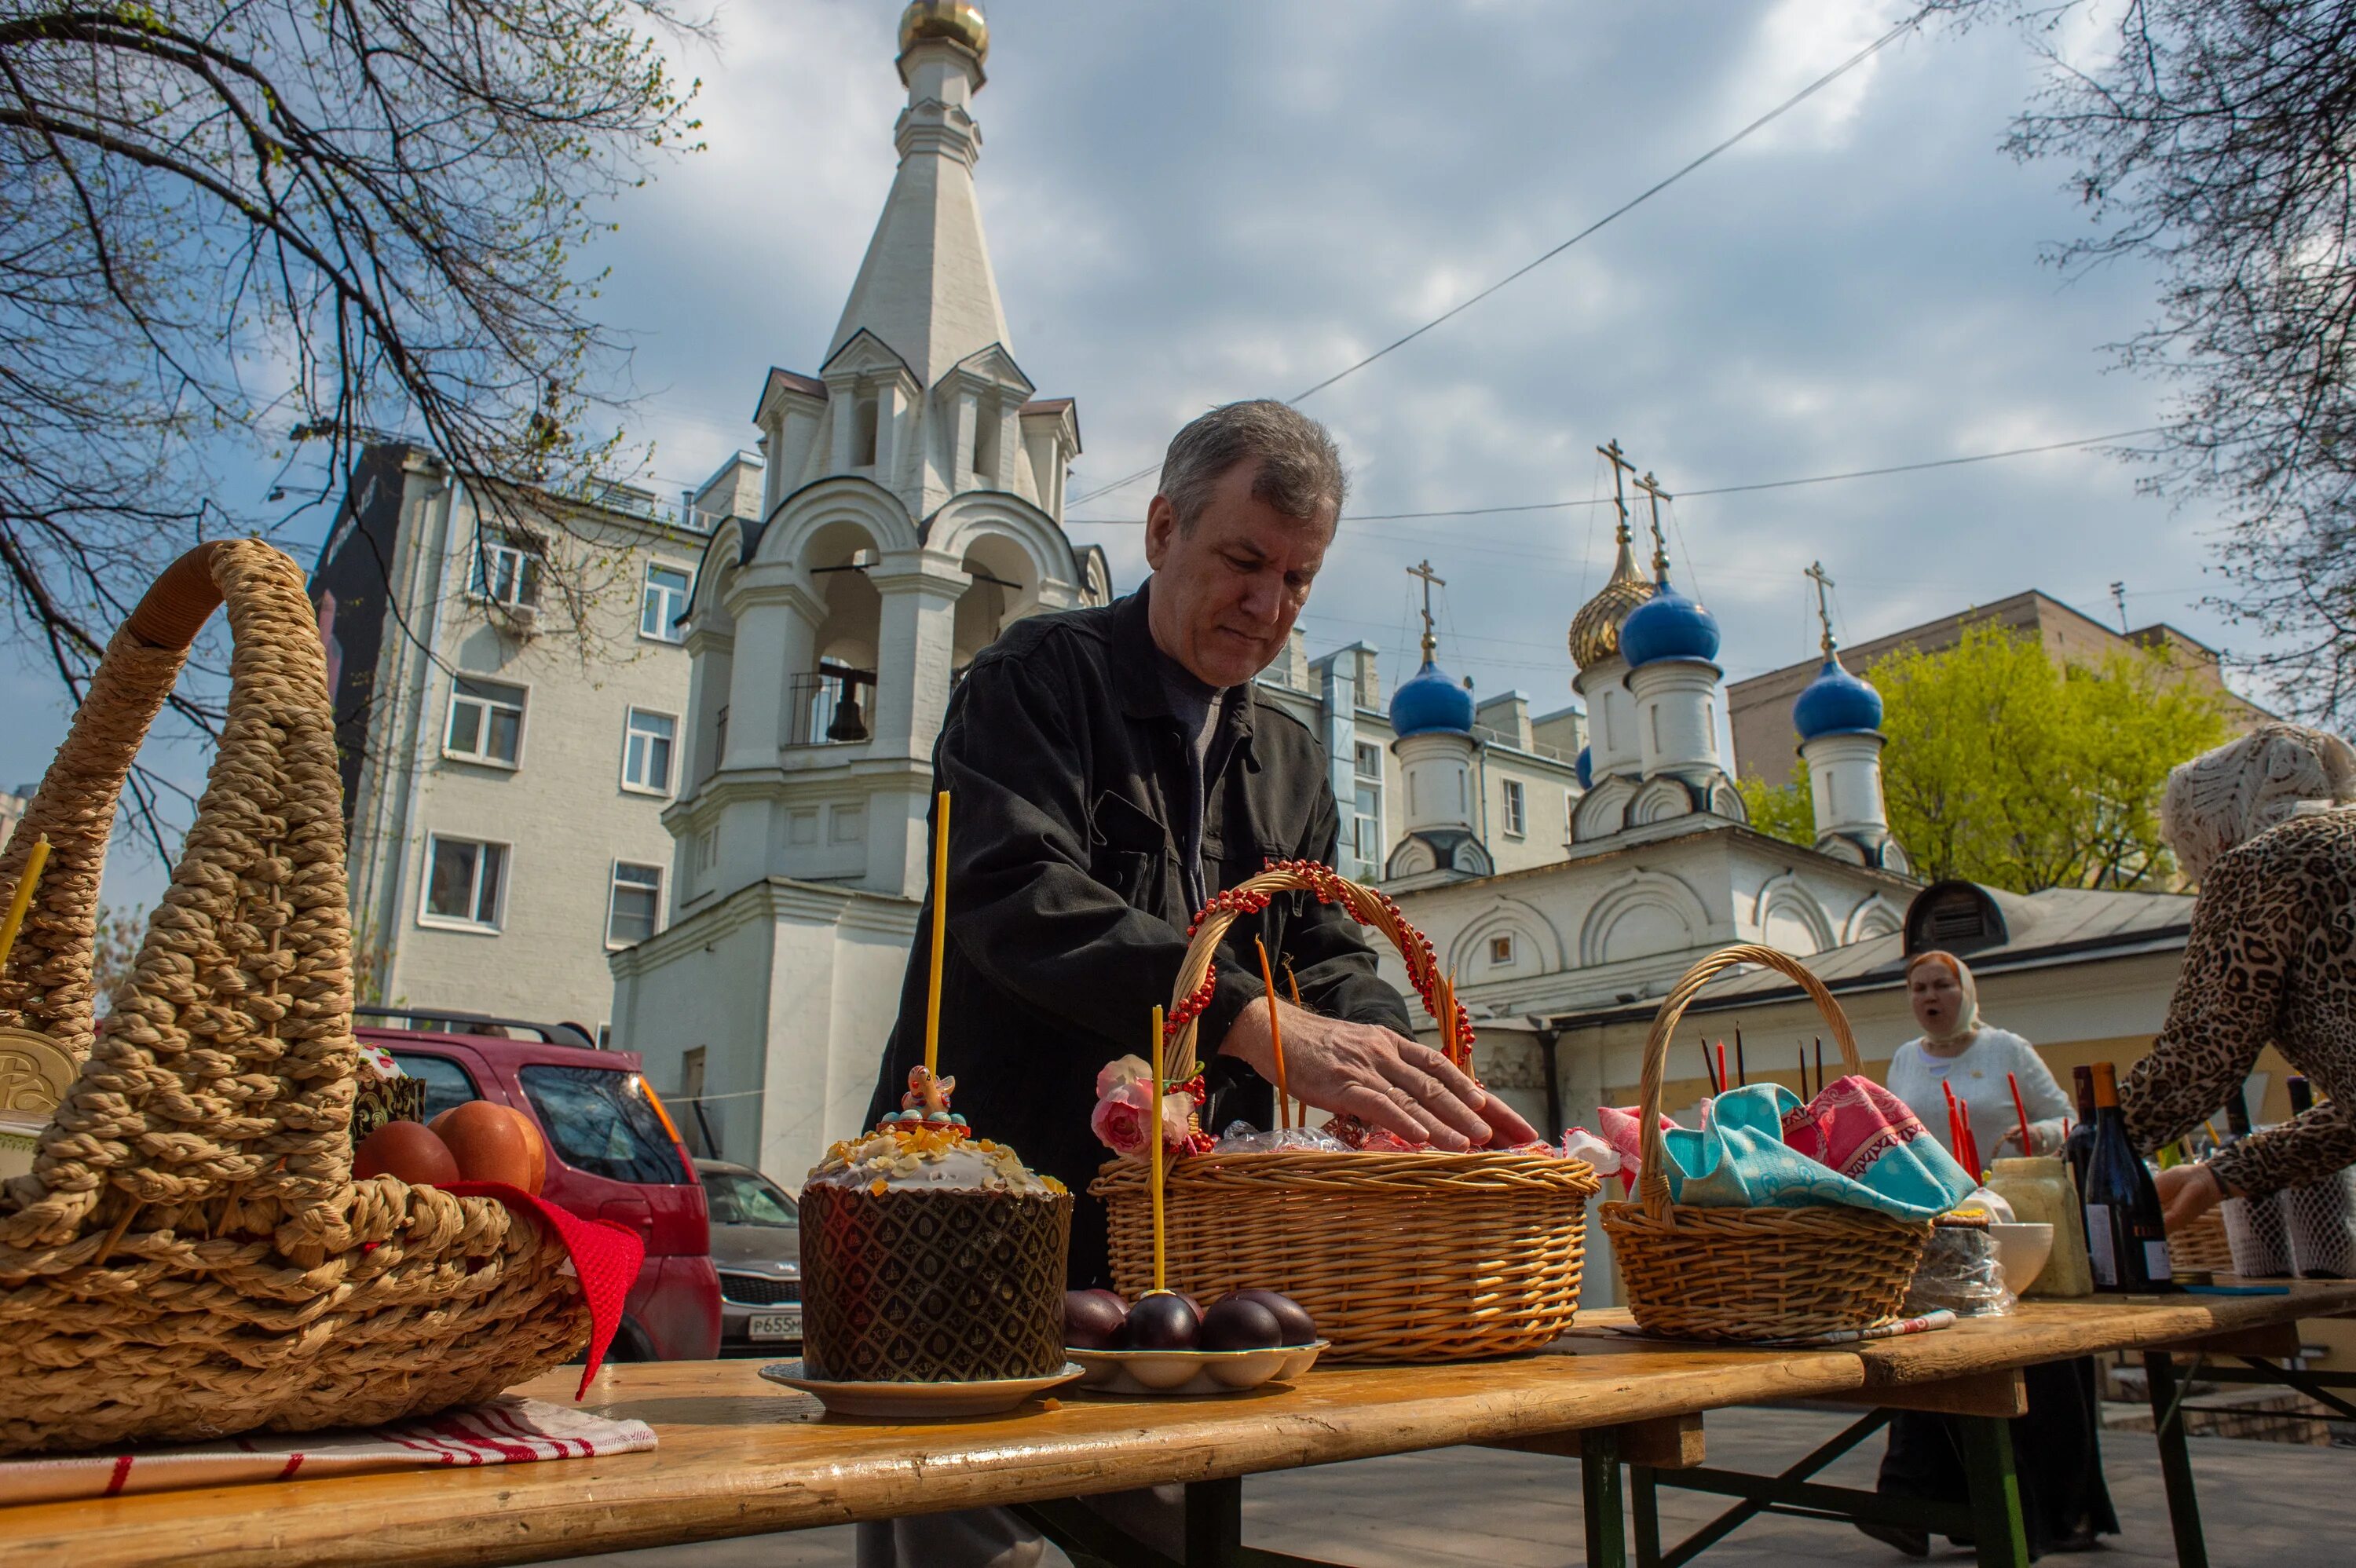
(22, 899)
(1275, 1035)
(940, 931)
(1153, 1142)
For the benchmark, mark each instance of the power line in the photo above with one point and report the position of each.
(1634, 202)
(1718, 490)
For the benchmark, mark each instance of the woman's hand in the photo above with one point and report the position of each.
(1384, 1079)
(2188, 1191)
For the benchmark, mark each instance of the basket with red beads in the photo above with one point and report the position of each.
(1399, 1256)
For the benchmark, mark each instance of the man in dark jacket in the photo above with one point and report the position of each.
(1109, 769)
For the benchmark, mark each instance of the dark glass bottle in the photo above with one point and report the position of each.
(2082, 1137)
(2237, 1114)
(2302, 1096)
(2127, 1238)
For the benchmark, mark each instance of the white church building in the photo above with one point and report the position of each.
(911, 506)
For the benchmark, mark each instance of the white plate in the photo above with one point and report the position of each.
(920, 1402)
(773, 1326)
(1191, 1372)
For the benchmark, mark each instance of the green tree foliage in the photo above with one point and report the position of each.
(229, 229)
(1787, 811)
(2010, 770)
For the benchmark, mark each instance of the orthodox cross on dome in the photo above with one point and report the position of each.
(1620, 463)
(1817, 574)
(1651, 488)
(1423, 570)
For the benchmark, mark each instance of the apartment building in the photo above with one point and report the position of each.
(511, 686)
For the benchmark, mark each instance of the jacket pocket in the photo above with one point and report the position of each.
(1129, 851)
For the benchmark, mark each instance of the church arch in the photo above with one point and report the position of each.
(1875, 916)
(1020, 562)
(1532, 943)
(1602, 810)
(1661, 800)
(1644, 914)
(829, 505)
(1789, 917)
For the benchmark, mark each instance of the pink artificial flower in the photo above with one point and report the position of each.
(1125, 1109)
(1125, 1069)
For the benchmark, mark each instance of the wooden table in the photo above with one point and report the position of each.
(741, 1456)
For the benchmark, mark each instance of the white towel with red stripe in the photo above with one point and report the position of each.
(508, 1431)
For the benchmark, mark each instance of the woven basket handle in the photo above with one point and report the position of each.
(1653, 1184)
(228, 1064)
(1365, 905)
(47, 986)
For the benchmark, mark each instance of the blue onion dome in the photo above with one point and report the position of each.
(1669, 625)
(1429, 700)
(1835, 703)
(1585, 767)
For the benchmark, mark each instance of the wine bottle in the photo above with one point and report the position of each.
(2237, 1114)
(2126, 1236)
(2081, 1144)
(2302, 1096)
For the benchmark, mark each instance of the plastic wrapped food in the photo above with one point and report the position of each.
(1959, 1272)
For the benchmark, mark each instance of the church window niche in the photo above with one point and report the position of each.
(986, 421)
(1500, 952)
(832, 702)
(866, 422)
(1004, 589)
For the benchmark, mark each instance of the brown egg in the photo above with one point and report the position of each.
(407, 1150)
(488, 1143)
(532, 1135)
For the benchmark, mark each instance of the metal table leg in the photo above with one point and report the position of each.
(1214, 1523)
(1599, 1487)
(1645, 1502)
(2175, 1458)
(1996, 1531)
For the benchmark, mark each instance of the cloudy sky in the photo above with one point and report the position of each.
(1192, 203)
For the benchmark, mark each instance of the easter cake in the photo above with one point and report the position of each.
(930, 1256)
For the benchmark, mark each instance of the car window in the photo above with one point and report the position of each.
(600, 1121)
(739, 1199)
(446, 1083)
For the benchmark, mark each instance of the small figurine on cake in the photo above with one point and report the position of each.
(930, 1256)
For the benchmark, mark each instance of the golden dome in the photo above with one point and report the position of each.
(958, 21)
(1595, 630)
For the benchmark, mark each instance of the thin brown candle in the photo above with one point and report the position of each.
(1275, 1037)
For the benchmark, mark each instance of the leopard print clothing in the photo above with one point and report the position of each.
(2272, 957)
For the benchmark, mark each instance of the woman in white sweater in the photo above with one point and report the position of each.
(2057, 1447)
(1956, 1051)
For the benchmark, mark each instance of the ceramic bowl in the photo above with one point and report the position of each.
(1191, 1372)
(2021, 1249)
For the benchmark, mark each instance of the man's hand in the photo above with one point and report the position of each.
(1384, 1079)
(2186, 1192)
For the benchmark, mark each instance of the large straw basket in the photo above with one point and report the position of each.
(190, 1256)
(1694, 1273)
(1400, 1257)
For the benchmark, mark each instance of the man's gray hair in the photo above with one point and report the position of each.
(1300, 473)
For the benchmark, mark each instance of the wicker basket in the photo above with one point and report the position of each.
(1398, 1257)
(190, 1257)
(1694, 1273)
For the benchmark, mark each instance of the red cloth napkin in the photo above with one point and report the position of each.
(605, 1255)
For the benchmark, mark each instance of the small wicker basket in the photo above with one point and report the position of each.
(1402, 1257)
(190, 1257)
(1695, 1272)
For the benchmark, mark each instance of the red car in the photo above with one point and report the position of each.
(612, 1154)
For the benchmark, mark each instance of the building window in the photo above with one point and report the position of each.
(464, 880)
(707, 850)
(865, 429)
(665, 602)
(636, 903)
(646, 752)
(503, 572)
(985, 440)
(486, 723)
(1500, 952)
(1367, 830)
(1516, 812)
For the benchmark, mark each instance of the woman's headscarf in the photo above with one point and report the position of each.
(1968, 1017)
(2223, 798)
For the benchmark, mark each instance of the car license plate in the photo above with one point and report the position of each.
(774, 1325)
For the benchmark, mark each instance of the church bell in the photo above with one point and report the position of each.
(848, 724)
